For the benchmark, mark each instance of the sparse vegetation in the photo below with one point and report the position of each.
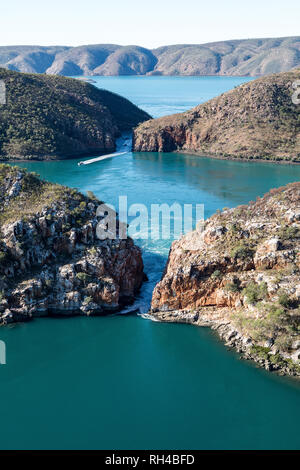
(241, 251)
(233, 286)
(216, 274)
(87, 300)
(91, 195)
(261, 352)
(284, 300)
(289, 233)
(83, 277)
(268, 132)
(255, 292)
(58, 117)
(2, 257)
(35, 194)
(92, 251)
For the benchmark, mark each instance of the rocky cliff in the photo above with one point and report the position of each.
(244, 57)
(240, 275)
(51, 261)
(56, 117)
(255, 120)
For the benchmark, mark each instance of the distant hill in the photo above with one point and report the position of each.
(247, 57)
(48, 116)
(256, 120)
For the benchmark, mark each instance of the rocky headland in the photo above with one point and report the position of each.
(240, 275)
(48, 117)
(51, 261)
(257, 120)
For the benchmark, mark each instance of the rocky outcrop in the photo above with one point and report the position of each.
(257, 120)
(244, 57)
(56, 117)
(241, 276)
(51, 261)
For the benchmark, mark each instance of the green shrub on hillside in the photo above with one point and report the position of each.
(241, 252)
(233, 286)
(255, 292)
(57, 116)
(289, 233)
(83, 277)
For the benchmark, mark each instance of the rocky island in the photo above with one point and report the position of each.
(51, 261)
(55, 117)
(256, 120)
(240, 275)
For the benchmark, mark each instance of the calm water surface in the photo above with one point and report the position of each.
(160, 96)
(124, 382)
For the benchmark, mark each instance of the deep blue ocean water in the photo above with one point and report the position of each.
(123, 382)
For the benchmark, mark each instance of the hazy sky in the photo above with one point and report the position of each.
(147, 23)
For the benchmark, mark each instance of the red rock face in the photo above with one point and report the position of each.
(238, 246)
(243, 123)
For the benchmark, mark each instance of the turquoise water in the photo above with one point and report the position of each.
(160, 96)
(124, 382)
